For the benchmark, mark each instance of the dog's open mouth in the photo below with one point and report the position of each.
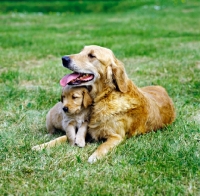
(76, 78)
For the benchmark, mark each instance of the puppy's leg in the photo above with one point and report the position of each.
(71, 133)
(104, 148)
(80, 136)
(50, 144)
(49, 124)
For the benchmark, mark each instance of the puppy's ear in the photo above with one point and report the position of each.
(120, 76)
(87, 100)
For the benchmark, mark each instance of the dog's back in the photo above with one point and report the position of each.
(160, 106)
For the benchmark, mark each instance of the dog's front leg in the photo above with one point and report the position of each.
(104, 148)
(50, 144)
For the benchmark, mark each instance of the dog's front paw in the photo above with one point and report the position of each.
(37, 148)
(80, 142)
(93, 158)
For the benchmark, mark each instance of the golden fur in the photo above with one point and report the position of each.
(120, 108)
(76, 101)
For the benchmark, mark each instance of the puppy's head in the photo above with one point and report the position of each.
(95, 66)
(75, 99)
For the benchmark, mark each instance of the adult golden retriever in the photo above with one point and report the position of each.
(120, 108)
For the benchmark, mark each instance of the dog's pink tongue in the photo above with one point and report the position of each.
(68, 78)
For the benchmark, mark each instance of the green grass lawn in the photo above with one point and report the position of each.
(159, 43)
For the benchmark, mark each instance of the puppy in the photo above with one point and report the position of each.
(120, 109)
(71, 115)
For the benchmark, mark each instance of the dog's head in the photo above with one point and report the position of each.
(75, 99)
(95, 66)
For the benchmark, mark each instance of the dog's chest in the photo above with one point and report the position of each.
(111, 113)
(114, 105)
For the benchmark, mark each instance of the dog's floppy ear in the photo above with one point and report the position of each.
(87, 100)
(120, 76)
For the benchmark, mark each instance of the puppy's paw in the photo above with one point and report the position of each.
(80, 142)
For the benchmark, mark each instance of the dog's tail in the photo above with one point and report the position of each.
(50, 144)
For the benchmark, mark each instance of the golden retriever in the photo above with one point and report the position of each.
(119, 108)
(70, 115)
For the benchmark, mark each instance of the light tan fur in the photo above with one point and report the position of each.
(77, 100)
(120, 108)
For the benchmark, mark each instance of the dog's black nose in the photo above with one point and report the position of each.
(65, 109)
(65, 60)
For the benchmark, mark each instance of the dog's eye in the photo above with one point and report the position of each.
(90, 55)
(74, 97)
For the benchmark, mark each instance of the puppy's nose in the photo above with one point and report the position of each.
(65, 109)
(65, 61)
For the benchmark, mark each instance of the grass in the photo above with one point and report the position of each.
(159, 43)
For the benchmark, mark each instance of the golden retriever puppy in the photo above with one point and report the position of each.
(70, 115)
(120, 109)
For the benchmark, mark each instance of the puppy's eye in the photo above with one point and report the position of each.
(90, 55)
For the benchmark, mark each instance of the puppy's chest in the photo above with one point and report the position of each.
(80, 119)
(77, 119)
